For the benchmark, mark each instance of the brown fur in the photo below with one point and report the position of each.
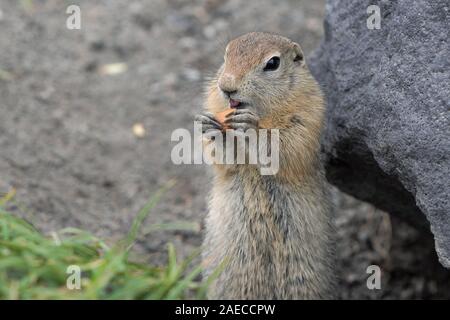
(274, 232)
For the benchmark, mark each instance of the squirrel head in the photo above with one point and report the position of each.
(260, 71)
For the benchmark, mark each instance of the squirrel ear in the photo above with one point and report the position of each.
(298, 54)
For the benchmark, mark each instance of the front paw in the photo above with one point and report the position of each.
(242, 120)
(209, 123)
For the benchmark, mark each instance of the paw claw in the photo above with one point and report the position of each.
(208, 121)
(242, 120)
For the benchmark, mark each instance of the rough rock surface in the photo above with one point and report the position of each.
(388, 123)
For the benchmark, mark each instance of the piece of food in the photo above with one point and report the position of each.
(221, 117)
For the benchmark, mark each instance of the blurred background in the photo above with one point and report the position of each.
(86, 118)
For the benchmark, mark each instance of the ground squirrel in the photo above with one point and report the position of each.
(274, 232)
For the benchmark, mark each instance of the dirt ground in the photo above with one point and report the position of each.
(69, 100)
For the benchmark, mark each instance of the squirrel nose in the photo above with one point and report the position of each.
(228, 92)
(227, 84)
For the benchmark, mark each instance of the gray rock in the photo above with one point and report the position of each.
(387, 138)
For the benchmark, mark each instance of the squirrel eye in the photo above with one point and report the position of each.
(272, 64)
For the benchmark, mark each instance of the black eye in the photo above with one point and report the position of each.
(272, 64)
